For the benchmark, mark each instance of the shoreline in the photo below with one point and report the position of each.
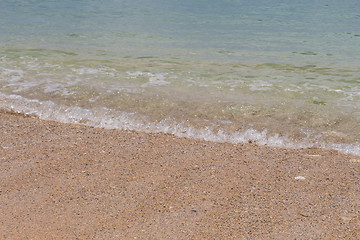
(66, 181)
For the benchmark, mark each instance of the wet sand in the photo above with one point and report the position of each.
(65, 181)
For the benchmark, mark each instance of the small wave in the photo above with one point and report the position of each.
(109, 119)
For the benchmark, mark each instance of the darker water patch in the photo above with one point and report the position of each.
(309, 53)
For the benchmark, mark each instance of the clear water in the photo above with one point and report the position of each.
(281, 73)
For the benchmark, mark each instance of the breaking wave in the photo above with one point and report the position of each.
(110, 119)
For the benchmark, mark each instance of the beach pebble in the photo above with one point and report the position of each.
(313, 155)
(345, 219)
(300, 178)
(355, 160)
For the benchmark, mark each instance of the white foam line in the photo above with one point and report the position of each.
(108, 119)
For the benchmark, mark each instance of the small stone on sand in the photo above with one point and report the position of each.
(355, 160)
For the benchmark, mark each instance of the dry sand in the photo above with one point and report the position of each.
(63, 181)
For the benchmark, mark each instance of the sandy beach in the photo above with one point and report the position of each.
(64, 181)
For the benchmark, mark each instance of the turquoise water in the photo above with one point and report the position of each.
(280, 73)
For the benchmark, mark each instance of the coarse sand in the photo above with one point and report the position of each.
(66, 181)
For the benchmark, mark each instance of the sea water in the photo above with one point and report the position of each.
(279, 73)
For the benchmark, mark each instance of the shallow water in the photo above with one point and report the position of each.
(276, 73)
